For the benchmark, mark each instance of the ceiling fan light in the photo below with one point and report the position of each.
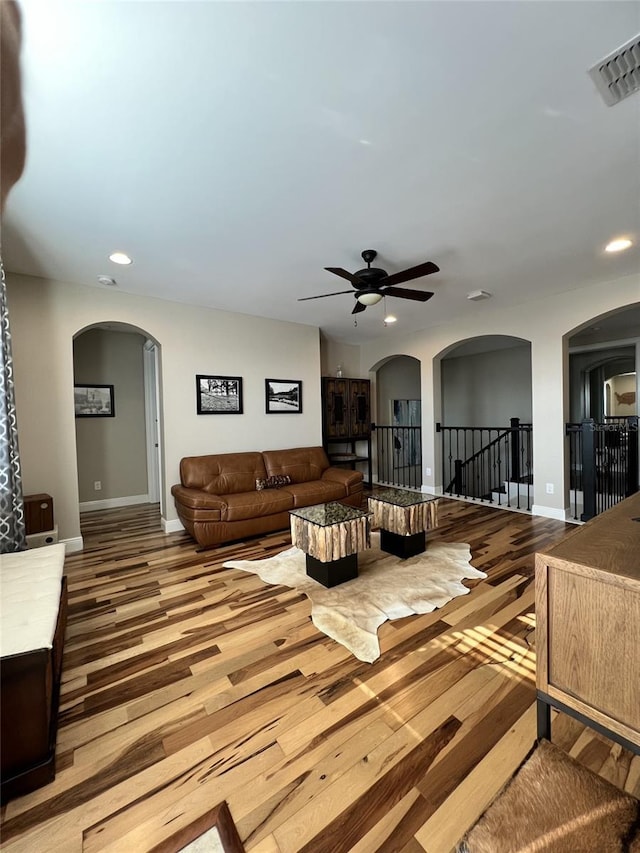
(369, 298)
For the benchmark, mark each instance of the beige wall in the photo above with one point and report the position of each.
(333, 354)
(397, 379)
(46, 315)
(487, 388)
(112, 451)
(544, 322)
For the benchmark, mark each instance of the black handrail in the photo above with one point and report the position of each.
(478, 453)
(504, 456)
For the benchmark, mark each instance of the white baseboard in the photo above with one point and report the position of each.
(431, 490)
(112, 503)
(551, 512)
(72, 545)
(172, 525)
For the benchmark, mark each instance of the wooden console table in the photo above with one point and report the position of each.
(588, 626)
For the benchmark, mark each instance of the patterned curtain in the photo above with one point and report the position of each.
(12, 532)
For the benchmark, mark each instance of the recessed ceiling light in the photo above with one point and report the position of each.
(120, 258)
(618, 245)
(107, 281)
(390, 318)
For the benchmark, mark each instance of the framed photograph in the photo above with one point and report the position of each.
(219, 395)
(283, 396)
(94, 401)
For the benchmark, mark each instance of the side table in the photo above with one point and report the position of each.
(403, 517)
(331, 535)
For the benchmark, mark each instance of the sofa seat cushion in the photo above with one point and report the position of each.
(256, 504)
(316, 492)
(302, 464)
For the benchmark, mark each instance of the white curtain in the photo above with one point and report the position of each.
(12, 531)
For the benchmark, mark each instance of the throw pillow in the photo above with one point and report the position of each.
(277, 481)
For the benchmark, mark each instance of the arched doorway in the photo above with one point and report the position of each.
(485, 407)
(118, 448)
(398, 443)
(602, 424)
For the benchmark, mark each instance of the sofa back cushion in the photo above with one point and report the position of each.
(222, 473)
(302, 464)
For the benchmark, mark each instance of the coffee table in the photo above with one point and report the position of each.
(403, 517)
(331, 535)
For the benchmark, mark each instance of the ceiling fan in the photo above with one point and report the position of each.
(372, 283)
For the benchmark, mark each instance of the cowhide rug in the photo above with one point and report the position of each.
(386, 588)
(555, 805)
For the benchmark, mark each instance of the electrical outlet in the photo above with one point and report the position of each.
(97, 486)
(427, 471)
(549, 488)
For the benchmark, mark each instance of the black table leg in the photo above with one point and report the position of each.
(402, 546)
(544, 719)
(334, 572)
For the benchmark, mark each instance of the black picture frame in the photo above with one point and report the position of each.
(283, 396)
(218, 395)
(94, 401)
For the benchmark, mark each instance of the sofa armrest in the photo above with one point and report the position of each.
(197, 499)
(351, 480)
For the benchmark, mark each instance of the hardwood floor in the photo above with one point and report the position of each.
(185, 684)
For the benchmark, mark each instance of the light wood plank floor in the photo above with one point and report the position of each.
(185, 684)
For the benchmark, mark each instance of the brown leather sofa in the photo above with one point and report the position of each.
(217, 500)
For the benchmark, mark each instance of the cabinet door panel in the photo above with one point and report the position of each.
(336, 407)
(594, 643)
(359, 390)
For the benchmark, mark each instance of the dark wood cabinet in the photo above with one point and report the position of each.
(346, 421)
(38, 513)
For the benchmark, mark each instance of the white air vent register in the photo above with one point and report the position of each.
(618, 75)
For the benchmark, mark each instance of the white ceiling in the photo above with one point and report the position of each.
(234, 149)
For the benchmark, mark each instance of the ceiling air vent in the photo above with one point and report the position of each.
(618, 75)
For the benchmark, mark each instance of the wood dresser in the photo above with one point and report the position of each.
(588, 626)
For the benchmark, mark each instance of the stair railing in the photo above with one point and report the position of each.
(399, 451)
(603, 464)
(478, 461)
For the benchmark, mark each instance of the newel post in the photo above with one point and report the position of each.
(588, 462)
(515, 450)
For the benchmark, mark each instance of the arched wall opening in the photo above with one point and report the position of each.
(600, 392)
(482, 389)
(396, 411)
(485, 381)
(118, 446)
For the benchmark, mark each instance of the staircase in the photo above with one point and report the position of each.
(513, 495)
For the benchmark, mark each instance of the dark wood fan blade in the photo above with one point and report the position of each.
(344, 274)
(405, 293)
(322, 295)
(408, 275)
(358, 308)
